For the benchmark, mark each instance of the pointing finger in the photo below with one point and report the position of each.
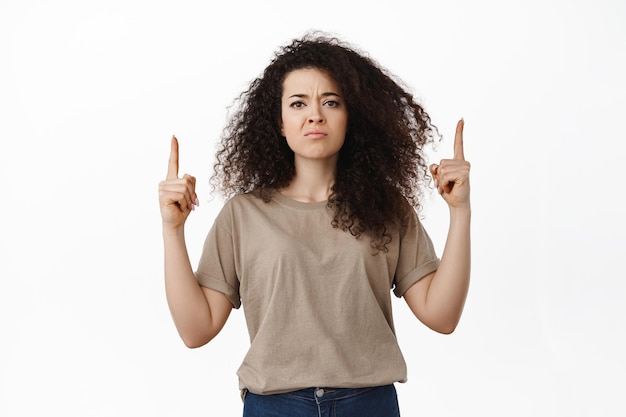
(172, 167)
(458, 141)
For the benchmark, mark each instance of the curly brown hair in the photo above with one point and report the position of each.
(381, 165)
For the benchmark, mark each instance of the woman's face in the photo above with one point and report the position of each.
(314, 116)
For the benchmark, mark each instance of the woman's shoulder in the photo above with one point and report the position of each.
(244, 201)
(408, 213)
(236, 207)
(402, 206)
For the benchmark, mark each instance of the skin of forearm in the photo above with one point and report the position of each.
(188, 305)
(448, 289)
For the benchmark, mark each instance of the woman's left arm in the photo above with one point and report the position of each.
(437, 300)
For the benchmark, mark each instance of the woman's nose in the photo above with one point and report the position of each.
(316, 114)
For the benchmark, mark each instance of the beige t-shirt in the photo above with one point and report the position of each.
(317, 301)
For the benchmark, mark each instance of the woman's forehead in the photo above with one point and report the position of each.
(309, 78)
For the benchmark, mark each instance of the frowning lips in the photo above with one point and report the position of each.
(315, 133)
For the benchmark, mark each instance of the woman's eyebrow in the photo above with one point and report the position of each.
(325, 94)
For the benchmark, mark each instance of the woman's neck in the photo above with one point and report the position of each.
(313, 181)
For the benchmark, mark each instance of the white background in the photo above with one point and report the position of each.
(91, 92)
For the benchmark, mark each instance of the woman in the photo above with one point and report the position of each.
(323, 165)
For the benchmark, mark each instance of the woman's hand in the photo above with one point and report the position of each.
(452, 175)
(177, 196)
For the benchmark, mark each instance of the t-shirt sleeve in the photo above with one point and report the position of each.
(417, 256)
(216, 268)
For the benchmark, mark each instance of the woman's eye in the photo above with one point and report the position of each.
(331, 103)
(297, 104)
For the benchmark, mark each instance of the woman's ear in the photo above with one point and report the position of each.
(282, 128)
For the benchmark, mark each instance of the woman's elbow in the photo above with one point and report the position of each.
(194, 341)
(443, 326)
(193, 344)
(449, 329)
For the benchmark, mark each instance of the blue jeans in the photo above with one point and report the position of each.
(325, 402)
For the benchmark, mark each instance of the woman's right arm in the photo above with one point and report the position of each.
(199, 313)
